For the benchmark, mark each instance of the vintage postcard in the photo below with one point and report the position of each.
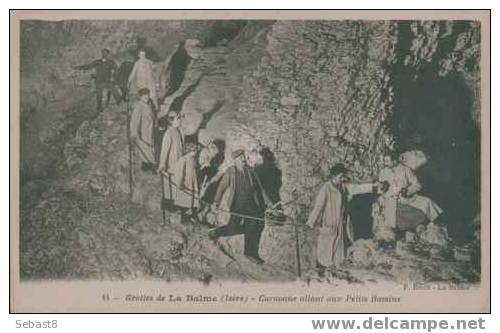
(250, 161)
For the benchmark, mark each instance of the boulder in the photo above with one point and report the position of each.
(362, 253)
(435, 234)
(168, 245)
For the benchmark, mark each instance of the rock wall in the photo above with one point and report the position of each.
(56, 100)
(321, 96)
(448, 47)
(311, 93)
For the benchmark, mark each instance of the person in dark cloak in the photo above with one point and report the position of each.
(121, 78)
(246, 197)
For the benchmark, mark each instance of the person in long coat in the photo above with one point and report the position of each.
(121, 78)
(186, 179)
(142, 77)
(172, 148)
(247, 201)
(330, 215)
(142, 123)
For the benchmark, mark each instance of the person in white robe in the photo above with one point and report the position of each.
(330, 216)
(403, 189)
(142, 77)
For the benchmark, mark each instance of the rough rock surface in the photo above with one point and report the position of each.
(321, 96)
(312, 93)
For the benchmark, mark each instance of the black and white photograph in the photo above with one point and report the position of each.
(331, 155)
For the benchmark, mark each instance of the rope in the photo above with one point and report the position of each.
(130, 156)
(163, 174)
(296, 226)
(195, 196)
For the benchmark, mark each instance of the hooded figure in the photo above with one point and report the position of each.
(330, 215)
(142, 77)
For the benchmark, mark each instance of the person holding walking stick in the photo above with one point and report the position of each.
(142, 123)
(247, 198)
(330, 215)
(172, 148)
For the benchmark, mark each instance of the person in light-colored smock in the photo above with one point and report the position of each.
(186, 180)
(142, 123)
(330, 215)
(142, 77)
(172, 148)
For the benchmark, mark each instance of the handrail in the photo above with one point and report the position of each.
(295, 225)
(195, 196)
(164, 174)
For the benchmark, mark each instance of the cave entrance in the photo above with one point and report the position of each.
(270, 174)
(435, 114)
(223, 31)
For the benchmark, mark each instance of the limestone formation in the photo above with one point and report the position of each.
(310, 94)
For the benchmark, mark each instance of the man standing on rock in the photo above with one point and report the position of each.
(142, 124)
(247, 200)
(172, 148)
(330, 214)
(104, 74)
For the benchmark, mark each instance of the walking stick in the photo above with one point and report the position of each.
(297, 249)
(130, 178)
(162, 197)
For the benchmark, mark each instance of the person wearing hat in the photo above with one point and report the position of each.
(142, 123)
(329, 214)
(246, 197)
(172, 148)
(104, 74)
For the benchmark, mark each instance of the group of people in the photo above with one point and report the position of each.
(118, 81)
(396, 185)
(188, 174)
(190, 179)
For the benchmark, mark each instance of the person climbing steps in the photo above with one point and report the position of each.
(246, 197)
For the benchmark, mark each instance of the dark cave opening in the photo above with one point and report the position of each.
(178, 66)
(360, 211)
(223, 31)
(270, 175)
(434, 114)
